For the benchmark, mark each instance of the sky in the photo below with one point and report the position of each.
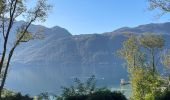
(99, 16)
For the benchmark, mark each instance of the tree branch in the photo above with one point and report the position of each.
(7, 34)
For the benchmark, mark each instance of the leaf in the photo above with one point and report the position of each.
(25, 36)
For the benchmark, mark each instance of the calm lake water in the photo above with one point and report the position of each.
(34, 80)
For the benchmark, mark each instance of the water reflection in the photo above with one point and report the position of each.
(37, 79)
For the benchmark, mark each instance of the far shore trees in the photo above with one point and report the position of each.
(10, 10)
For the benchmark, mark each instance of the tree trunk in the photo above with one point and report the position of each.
(153, 62)
(0, 94)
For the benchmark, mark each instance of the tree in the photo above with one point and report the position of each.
(131, 53)
(17, 96)
(10, 10)
(87, 91)
(134, 59)
(166, 63)
(153, 44)
(106, 95)
(80, 88)
(166, 59)
(136, 51)
(162, 5)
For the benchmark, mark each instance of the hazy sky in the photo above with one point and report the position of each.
(98, 16)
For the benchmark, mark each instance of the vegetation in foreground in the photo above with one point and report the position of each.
(85, 91)
(143, 55)
(10, 95)
(10, 10)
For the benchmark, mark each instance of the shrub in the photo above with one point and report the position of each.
(88, 91)
(18, 96)
(106, 95)
(77, 97)
(99, 95)
(165, 96)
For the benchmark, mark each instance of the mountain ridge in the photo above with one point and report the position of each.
(54, 60)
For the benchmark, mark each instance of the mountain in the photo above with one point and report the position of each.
(48, 64)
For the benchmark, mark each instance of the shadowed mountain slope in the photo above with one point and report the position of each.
(48, 64)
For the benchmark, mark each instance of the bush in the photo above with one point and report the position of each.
(88, 91)
(99, 95)
(77, 97)
(18, 96)
(106, 95)
(165, 96)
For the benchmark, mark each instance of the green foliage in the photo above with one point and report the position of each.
(99, 95)
(47, 96)
(80, 88)
(149, 96)
(152, 41)
(87, 91)
(77, 97)
(1, 6)
(130, 52)
(18, 97)
(159, 5)
(144, 84)
(165, 96)
(25, 36)
(166, 59)
(43, 96)
(106, 95)
(10, 95)
(59, 98)
(84, 91)
(10, 10)
(140, 52)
